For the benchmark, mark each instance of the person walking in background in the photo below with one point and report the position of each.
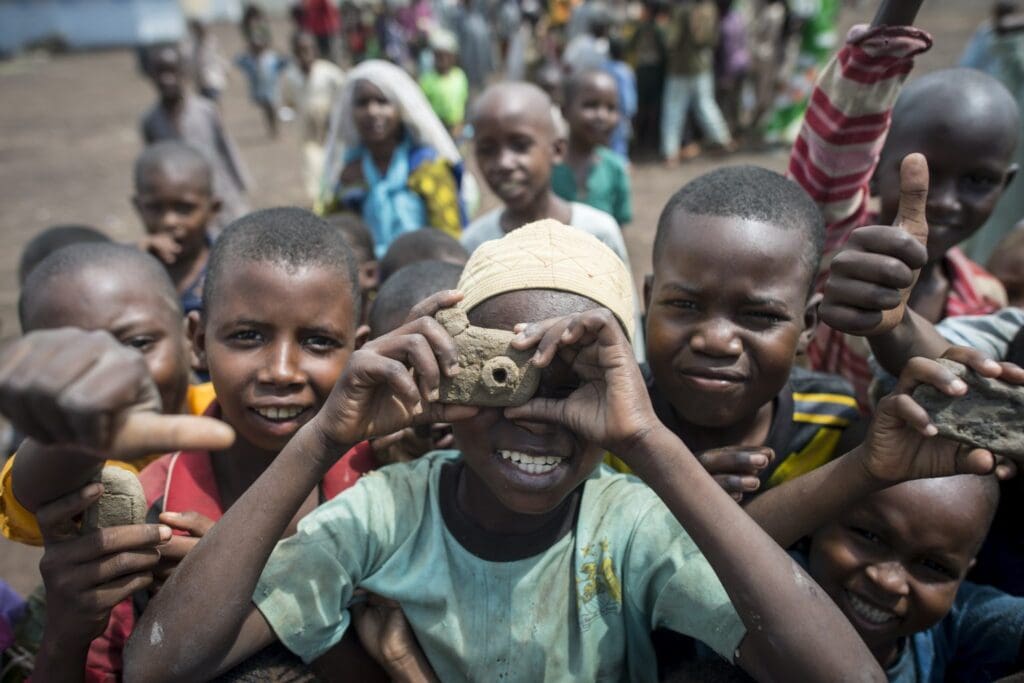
(262, 66)
(209, 69)
(691, 36)
(180, 115)
(311, 85)
(322, 20)
(732, 63)
(446, 86)
(648, 53)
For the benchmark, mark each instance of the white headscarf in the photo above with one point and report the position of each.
(415, 112)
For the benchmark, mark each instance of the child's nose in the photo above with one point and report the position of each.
(716, 338)
(890, 577)
(284, 368)
(942, 197)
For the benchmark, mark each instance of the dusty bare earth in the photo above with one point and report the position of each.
(69, 134)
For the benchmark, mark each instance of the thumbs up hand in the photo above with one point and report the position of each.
(871, 278)
(84, 389)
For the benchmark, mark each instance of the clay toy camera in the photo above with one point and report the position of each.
(493, 374)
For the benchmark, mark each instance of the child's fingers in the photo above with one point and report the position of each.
(907, 410)
(911, 214)
(849, 319)
(446, 412)
(879, 268)
(736, 460)
(926, 371)
(116, 565)
(415, 352)
(117, 381)
(1005, 468)
(529, 335)
(146, 433)
(974, 359)
(441, 343)
(389, 371)
(121, 588)
(734, 483)
(975, 461)
(174, 551)
(191, 521)
(429, 307)
(1011, 373)
(864, 295)
(57, 518)
(115, 539)
(883, 240)
(539, 410)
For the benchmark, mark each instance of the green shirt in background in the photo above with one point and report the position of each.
(447, 94)
(607, 186)
(581, 610)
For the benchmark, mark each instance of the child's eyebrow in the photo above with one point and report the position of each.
(765, 301)
(682, 289)
(320, 329)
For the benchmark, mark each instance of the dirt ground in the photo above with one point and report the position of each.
(69, 134)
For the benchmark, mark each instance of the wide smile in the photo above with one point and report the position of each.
(281, 419)
(531, 470)
(868, 615)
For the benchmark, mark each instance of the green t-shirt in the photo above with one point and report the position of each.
(607, 186)
(581, 610)
(447, 94)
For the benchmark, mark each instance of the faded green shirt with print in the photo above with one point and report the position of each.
(581, 610)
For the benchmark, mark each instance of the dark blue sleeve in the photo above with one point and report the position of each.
(980, 638)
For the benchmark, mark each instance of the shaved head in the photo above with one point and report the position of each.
(516, 100)
(984, 109)
(174, 160)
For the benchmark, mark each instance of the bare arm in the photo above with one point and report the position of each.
(912, 336)
(795, 631)
(226, 563)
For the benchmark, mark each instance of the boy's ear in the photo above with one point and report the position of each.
(196, 331)
(362, 336)
(648, 290)
(810, 323)
(558, 148)
(369, 275)
(1011, 173)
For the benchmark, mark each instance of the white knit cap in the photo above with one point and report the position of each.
(550, 255)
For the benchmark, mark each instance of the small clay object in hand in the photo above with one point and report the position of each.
(990, 415)
(123, 501)
(492, 374)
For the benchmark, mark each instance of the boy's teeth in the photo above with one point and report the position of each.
(285, 413)
(869, 612)
(531, 464)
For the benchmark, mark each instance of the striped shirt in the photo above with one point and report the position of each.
(834, 158)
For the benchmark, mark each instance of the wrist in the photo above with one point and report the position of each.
(857, 470)
(645, 445)
(327, 447)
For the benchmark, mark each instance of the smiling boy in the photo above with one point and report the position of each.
(898, 576)
(729, 309)
(591, 172)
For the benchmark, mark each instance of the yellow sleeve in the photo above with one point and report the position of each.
(17, 523)
(199, 397)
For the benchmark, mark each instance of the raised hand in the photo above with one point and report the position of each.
(392, 383)
(737, 468)
(871, 278)
(87, 575)
(388, 638)
(611, 406)
(72, 387)
(902, 443)
(162, 246)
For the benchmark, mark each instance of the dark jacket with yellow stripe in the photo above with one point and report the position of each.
(815, 419)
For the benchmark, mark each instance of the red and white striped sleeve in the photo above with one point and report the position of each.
(846, 123)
